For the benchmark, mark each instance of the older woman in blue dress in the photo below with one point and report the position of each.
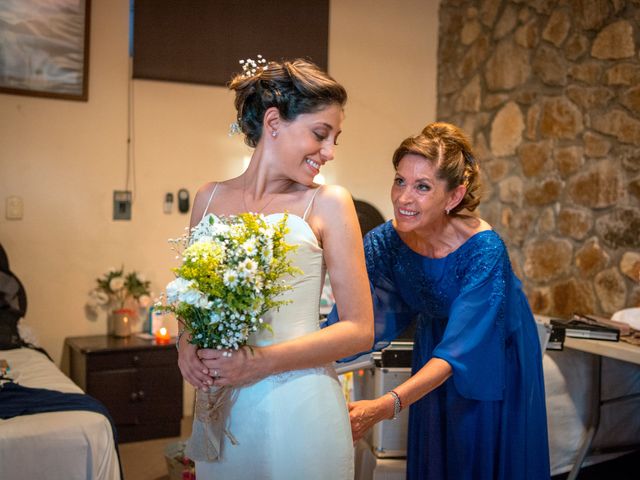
(476, 392)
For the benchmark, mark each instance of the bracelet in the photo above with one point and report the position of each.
(180, 333)
(397, 404)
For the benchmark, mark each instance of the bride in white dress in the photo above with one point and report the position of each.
(290, 418)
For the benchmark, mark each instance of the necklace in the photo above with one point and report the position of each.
(244, 201)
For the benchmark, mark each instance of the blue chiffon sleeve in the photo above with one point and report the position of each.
(474, 339)
(391, 314)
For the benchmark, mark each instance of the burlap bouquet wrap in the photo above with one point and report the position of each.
(210, 424)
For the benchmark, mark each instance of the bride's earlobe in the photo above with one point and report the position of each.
(271, 121)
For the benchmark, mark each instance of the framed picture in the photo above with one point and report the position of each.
(44, 48)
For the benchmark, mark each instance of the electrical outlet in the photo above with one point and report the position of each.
(122, 205)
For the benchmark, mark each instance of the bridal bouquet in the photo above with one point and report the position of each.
(232, 271)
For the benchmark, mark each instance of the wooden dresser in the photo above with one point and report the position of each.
(137, 379)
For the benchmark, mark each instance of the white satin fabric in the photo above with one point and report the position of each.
(293, 425)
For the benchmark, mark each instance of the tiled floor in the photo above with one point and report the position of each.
(145, 460)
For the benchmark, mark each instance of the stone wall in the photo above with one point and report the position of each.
(549, 92)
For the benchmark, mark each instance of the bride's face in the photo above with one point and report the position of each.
(308, 142)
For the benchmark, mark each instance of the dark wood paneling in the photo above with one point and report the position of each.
(201, 41)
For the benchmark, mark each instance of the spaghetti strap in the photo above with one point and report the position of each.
(209, 202)
(306, 212)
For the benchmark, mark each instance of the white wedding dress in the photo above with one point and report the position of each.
(293, 425)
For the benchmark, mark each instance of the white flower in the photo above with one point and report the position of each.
(116, 283)
(144, 301)
(230, 278)
(250, 247)
(100, 297)
(191, 297)
(177, 287)
(248, 267)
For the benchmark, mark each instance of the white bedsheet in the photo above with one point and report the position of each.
(57, 445)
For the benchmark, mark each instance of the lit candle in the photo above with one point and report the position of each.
(162, 336)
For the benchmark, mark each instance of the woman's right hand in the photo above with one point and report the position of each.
(364, 414)
(193, 370)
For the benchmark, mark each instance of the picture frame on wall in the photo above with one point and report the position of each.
(44, 48)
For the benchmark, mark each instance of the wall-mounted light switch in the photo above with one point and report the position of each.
(168, 202)
(122, 205)
(14, 208)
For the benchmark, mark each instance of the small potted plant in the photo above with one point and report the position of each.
(123, 295)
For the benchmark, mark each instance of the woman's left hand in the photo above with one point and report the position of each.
(364, 414)
(234, 367)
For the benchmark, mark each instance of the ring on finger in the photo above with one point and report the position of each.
(215, 374)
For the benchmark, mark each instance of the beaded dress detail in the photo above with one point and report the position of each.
(488, 420)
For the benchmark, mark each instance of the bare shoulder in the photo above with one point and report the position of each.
(332, 199)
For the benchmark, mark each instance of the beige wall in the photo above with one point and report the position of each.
(65, 158)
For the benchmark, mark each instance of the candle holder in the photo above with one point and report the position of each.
(121, 321)
(162, 336)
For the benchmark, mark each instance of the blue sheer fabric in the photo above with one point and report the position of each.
(488, 420)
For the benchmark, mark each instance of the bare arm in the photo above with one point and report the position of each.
(366, 413)
(336, 220)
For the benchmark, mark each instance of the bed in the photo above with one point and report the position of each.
(66, 438)
(66, 444)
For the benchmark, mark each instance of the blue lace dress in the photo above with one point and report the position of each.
(488, 420)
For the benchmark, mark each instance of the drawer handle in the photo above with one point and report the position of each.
(136, 359)
(137, 396)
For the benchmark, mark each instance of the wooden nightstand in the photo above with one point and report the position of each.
(138, 381)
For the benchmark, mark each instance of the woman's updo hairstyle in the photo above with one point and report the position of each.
(450, 152)
(292, 87)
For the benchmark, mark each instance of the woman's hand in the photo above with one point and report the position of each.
(193, 370)
(364, 414)
(235, 367)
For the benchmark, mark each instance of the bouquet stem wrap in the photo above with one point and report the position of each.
(210, 424)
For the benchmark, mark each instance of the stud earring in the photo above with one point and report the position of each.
(447, 210)
(274, 133)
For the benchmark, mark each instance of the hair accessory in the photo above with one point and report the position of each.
(234, 129)
(252, 67)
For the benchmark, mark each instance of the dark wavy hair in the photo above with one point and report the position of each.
(448, 148)
(294, 87)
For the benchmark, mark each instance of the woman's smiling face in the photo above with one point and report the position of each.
(419, 198)
(309, 141)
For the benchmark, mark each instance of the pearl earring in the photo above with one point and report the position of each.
(274, 133)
